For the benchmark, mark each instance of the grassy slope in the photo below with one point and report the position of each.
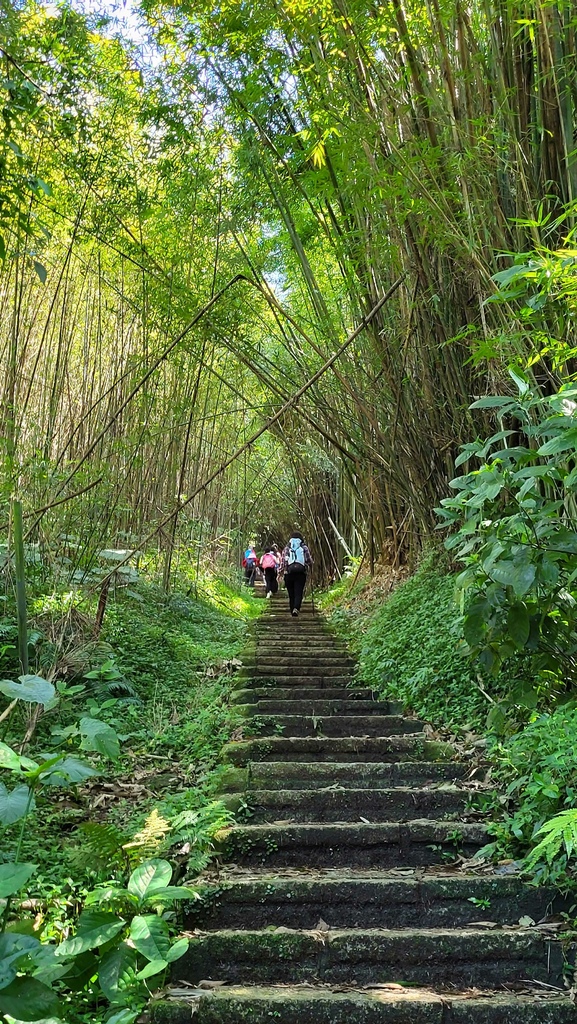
(409, 645)
(175, 654)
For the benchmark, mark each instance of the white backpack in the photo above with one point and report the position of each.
(296, 556)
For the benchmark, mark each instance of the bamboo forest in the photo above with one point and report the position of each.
(288, 506)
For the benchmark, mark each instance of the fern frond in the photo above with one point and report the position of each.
(560, 832)
(102, 845)
(150, 839)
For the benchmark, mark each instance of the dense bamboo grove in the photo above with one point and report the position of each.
(321, 152)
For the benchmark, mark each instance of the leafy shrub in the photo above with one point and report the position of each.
(537, 772)
(516, 517)
(412, 650)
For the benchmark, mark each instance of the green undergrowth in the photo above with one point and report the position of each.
(410, 648)
(158, 678)
(169, 664)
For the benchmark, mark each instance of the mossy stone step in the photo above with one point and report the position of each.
(346, 899)
(294, 667)
(357, 775)
(336, 748)
(311, 693)
(308, 1005)
(307, 655)
(349, 726)
(381, 845)
(320, 708)
(304, 679)
(323, 805)
(464, 957)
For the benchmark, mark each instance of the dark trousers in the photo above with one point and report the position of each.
(295, 584)
(249, 575)
(270, 579)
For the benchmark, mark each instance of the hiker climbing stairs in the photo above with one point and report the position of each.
(338, 898)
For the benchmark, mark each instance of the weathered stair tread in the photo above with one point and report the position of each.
(385, 844)
(356, 774)
(335, 748)
(300, 678)
(363, 899)
(295, 667)
(338, 804)
(439, 956)
(306, 694)
(308, 1005)
(322, 708)
(335, 725)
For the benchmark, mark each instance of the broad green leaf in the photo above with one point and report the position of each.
(14, 804)
(77, 970)
(492, 402)
(496, 720)
(41, 271)
(117, 974)
(13, 877)
(14, 948)
(152, 968)
(123, 1017)
(95, 927)
(169, 893)
(519, 378)
(509, 574)
(149, 935)
(151, 875)
(474, 629)
(99, 736)
(178, 949)
(68, 771)
(10, 759)
(32, 689)
(562, 443)
(518, 624)
(28, 999)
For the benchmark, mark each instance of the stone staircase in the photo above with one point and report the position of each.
(337, 901)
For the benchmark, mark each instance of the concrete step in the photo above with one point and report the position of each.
(309, 693)
(319, 708)
(303, 679)
(302, 775)
(322, 805)
(464, 957)
(347, 899)
(319, 1005)
(297, 668)
(306, 657)
(336, 748)
(332, 725)
(355, 845)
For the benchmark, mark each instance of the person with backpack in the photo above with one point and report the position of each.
(250, 565)
(296, 559)
(269, 566)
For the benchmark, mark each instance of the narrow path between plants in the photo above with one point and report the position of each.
(341, 898)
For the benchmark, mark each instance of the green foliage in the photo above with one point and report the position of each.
(559, 835)
(536, 771)
(411, 649)
(516, 517)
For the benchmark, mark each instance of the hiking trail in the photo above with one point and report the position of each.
(338, 901)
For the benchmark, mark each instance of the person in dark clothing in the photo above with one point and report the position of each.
(250, 565)
(269, 566)
(296, 560)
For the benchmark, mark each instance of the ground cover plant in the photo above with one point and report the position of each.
(106, 791)
(410, 645)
